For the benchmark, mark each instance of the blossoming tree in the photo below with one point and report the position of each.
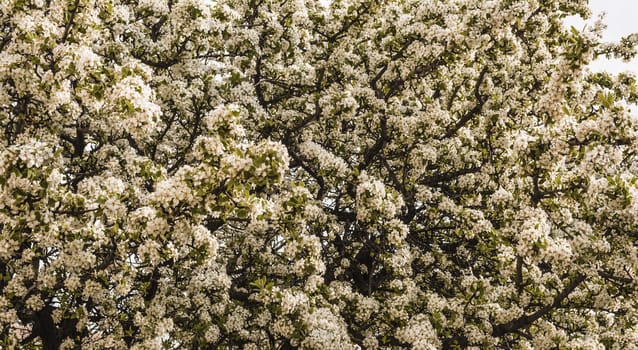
(288, 174)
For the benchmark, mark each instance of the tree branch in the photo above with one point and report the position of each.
(474, 111)
(526, 320)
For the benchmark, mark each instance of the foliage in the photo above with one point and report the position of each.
(286, 174)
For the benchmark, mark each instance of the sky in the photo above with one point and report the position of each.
(621, 21)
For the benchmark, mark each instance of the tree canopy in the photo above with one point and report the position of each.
(292, 174)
